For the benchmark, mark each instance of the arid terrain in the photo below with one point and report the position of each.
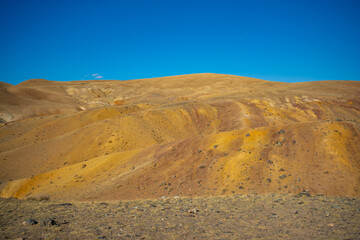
(209, 140)
(271, 216)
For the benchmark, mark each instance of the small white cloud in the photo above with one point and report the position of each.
(94, 74)
(98, 76)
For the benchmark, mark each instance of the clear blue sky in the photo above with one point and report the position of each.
(287, 40)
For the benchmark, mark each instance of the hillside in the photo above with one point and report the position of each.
(188, 135)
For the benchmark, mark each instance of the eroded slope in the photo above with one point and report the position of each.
(191, 135)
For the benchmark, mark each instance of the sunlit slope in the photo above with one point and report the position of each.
(261, 160)
(39, 97)
(191, 135)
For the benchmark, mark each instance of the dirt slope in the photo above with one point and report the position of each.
(189, 135)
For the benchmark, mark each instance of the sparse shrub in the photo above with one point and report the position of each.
(39, 198)
(44, 198)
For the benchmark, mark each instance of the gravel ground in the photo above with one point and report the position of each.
(271, 216)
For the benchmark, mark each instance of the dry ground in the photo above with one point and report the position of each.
(272, 216)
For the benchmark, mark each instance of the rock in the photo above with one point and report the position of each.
(305, 193)
(215, 146)
(241, 187)
(84, 166)
(29, 222)
(330, 224)
(278, 144)
(194, 210)
(281, 131)
(282, 170)
(282, 176)
(293, 141)
(247, 135)
(6, 117)
(199, 151)
(269, 180)
(270, 162)
(60, 205)
(48, 222)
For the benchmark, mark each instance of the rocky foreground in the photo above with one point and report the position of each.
(272, 216)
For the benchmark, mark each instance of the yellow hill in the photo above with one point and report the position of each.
(189, 135)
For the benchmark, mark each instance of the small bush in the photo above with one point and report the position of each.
(30, 199)
(44, 198)
(39, 198)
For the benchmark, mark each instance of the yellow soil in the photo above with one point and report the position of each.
(190, 135)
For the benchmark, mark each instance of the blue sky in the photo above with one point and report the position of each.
(290, 40)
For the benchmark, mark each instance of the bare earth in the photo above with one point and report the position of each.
(194, 137)
(271, 216)
(190, 135)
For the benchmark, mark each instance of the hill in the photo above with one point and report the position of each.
(188, 135)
